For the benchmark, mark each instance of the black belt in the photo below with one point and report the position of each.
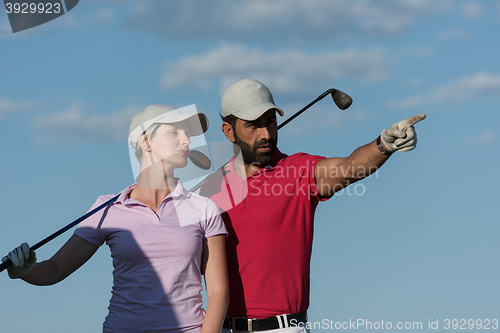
(271, 323)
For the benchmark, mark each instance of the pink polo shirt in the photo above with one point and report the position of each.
(156, 259)
(269, 217)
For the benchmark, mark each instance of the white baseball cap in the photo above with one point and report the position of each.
(248, 99)
(167, 114)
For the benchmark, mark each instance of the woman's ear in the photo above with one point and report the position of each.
(144, 143)
(228, 131)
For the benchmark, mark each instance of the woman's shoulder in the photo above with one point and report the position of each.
(119, 196)
(201, 199)
(101, 200)
(203, 202)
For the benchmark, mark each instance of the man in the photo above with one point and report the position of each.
(268, 201)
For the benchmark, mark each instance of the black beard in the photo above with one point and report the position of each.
(250, 153)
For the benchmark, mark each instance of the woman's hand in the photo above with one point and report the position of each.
(68, 259)
(22, 258)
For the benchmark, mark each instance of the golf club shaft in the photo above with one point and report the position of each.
(8, 263)
(320, 97)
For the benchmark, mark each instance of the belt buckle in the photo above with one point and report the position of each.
(249, 324)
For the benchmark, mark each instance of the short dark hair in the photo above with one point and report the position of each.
(230, 119)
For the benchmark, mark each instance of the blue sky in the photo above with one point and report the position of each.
(418, 241)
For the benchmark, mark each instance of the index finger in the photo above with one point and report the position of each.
(407, 123)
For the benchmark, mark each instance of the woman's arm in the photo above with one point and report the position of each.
(215, 270)
(68, 259)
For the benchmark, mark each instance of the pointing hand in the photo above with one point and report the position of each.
(401, 136)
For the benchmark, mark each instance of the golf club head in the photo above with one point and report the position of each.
(340, 98)
(200, 160)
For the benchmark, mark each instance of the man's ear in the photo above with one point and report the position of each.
(228, 131)
(144, 143)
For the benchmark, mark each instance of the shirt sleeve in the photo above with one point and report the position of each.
(308, 164)
(90, 228)
(214, 225)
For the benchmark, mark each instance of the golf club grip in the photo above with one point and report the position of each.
(8, 263)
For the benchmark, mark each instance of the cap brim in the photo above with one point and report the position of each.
(197, 123)
(255, 111)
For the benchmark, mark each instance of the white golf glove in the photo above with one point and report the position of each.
(401, 136)
(23, 259)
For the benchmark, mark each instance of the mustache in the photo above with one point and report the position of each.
(263, 143)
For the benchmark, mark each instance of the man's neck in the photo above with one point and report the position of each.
(250, 169)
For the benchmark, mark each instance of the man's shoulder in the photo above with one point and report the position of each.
(298, 159)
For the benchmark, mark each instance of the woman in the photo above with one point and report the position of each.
(162, 238)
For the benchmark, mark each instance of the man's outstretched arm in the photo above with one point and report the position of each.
(333, 174)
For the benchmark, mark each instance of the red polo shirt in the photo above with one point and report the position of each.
(269, 217)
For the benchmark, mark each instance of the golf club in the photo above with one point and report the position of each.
(198, 158)
(341, 99)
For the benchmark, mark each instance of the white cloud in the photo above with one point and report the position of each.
(472, 10)
(283, 71)
(289, 20)
(483, 139)
(454, 33)
(457, 92)
(76, 125)
(8, 106)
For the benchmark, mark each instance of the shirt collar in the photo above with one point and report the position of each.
(178, 192)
